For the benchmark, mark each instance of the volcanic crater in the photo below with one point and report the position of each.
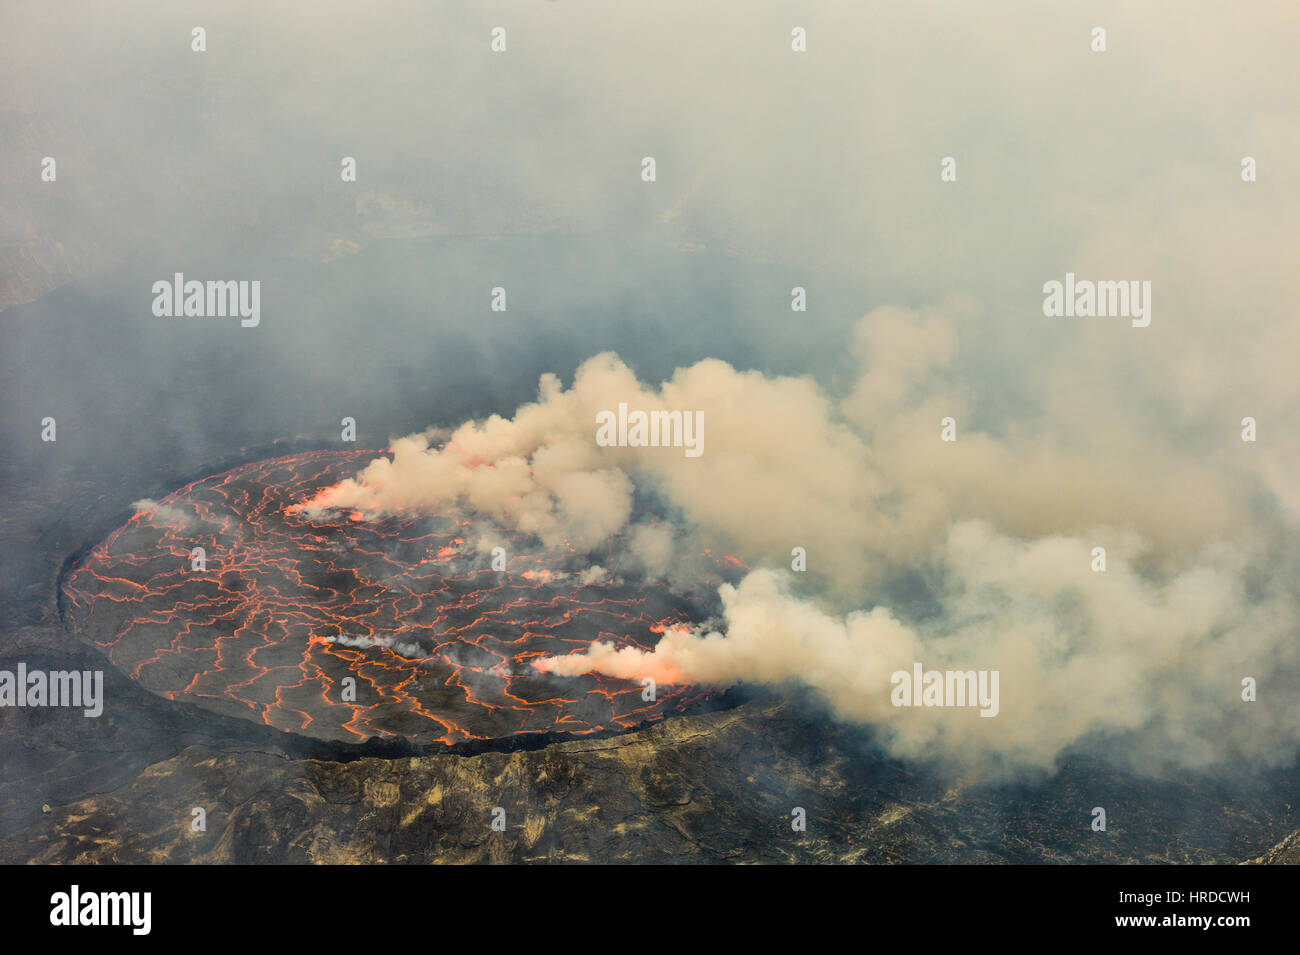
(226, 595)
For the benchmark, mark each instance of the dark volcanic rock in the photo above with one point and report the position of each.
(719, 787)
(1286, 852)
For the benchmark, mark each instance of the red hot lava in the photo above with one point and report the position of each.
(343, 629)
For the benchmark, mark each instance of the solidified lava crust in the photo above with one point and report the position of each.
(344, 629)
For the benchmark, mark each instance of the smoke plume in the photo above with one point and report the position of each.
(1146, 655)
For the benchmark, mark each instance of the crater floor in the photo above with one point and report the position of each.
(225, 595)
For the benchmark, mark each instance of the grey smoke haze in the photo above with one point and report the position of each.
(775, 170)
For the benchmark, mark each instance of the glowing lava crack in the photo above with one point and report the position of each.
(343, 629)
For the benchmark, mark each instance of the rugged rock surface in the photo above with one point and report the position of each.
(1286, 852)
(719, 787)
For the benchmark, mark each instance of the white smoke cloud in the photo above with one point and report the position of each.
(593, 575)
(1155, 666)
(864, 484)
(1151, 652)
(403, 648)
(166, 515)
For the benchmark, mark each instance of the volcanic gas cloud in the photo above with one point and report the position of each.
(1128, 586)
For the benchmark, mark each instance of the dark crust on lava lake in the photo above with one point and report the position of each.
(437, 644)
